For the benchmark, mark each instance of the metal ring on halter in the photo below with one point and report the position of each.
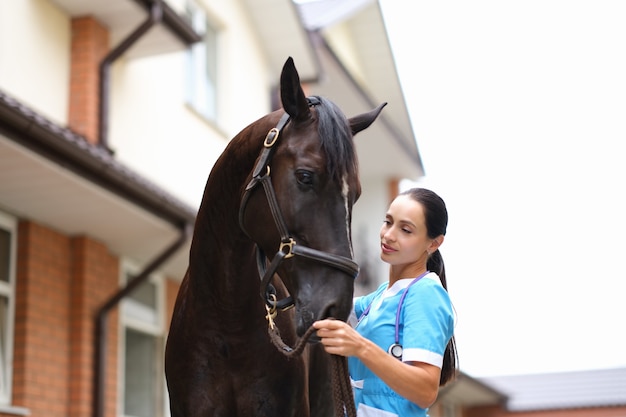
(289, 245)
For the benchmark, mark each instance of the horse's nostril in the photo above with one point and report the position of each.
(330, 312)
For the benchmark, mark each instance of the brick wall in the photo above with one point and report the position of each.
(171, 292)
(61, 282)
(90, 44)
(95, 279)
(41, 351)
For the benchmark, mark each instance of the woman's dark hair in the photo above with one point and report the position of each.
(436, 217)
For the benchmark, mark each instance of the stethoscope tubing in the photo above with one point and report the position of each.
(392, 349)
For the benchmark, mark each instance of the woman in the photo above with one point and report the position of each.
(402, 347)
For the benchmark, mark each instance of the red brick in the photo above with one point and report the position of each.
(90, 44)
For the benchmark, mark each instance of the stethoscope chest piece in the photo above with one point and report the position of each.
(395, 350)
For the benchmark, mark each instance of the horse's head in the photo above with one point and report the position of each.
(297, 206)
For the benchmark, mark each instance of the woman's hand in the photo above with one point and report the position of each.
(338, 337)
(416, 381)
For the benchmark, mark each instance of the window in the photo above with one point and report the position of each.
(142, 377)
(201, 77)
(7, 280)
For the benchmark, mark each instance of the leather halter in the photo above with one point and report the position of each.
(288, 246)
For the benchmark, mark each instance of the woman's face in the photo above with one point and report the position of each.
(404, 239)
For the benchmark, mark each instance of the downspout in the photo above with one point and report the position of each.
(99, 378)
(100, 340)
(156, 14)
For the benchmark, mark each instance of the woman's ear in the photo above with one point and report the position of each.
(435, 243)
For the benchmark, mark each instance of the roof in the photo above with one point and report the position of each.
(358, 73)
(565, 390)
(51, 174)
(470, 392)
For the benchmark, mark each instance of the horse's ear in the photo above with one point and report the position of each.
(363, 121)
(291, 93)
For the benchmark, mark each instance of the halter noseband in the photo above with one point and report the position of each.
(288, 246)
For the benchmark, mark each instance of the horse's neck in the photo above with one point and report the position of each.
(222, 257)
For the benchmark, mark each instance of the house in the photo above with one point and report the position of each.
(589, 393)
(112, 114)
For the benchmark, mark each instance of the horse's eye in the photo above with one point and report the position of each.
(304, 177)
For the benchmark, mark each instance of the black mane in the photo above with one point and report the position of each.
(336, 138)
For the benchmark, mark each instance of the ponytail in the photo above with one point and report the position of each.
(448, 370)
(435, 264)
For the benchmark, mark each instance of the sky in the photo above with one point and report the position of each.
(519, 112)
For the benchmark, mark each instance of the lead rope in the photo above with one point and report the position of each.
(342, 389)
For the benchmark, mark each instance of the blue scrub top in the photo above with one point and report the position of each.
(426, 324)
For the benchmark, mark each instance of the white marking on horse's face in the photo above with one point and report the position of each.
(345, 192)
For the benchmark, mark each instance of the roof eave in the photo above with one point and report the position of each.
(50, 175)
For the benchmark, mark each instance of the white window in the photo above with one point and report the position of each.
(7, 303)
(201, 80)
(142, 382)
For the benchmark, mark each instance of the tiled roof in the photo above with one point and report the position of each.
(566, 390)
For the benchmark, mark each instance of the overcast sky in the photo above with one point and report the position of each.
(519, 110)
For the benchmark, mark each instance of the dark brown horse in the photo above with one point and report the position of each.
(284, 186)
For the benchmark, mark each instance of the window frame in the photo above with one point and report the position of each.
(201, 89)
(130, 312)
(7, 289)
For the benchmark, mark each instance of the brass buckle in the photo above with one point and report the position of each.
(270, 139)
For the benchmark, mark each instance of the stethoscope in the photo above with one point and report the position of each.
(395, 349)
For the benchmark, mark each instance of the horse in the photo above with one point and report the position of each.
(272, 232)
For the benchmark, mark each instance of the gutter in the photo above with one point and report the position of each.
(170, 18)
(159, 12)
(74, 153)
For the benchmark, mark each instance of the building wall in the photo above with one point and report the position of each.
(156, 132)
(61, 282)
(90, 44)
(35, 56)
(367, 218)
(151, 127)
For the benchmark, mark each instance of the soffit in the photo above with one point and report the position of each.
(371, 45)
(282, 35)
(35, 188)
